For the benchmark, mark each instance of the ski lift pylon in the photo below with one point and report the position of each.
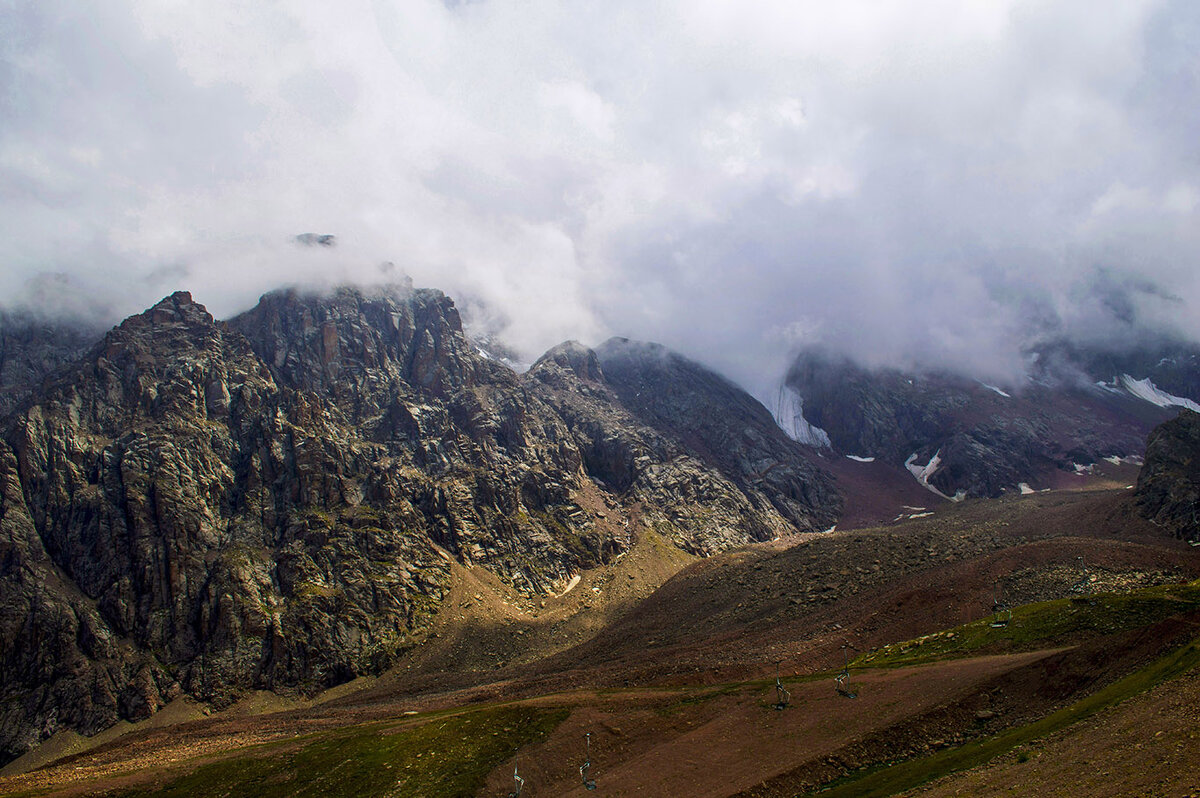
(588, 784)
(842, 680)
(783, 698)
(1001, 612)
(518, 783)
(1082, 590)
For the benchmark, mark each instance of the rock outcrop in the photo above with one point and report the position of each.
(204, 508)
(1168, 487)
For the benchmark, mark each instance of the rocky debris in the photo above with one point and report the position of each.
(206, 508)
(987, 441)
(1168, 487)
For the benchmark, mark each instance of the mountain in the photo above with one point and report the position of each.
(960, 437)
(202, 508)
(1168, 487)
(32, 348)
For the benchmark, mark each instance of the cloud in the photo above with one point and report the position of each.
(928, 183)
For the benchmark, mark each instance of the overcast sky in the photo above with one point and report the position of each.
(906, 181)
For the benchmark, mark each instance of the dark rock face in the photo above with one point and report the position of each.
(174, 521)
(704, 459)
(987, 442)
(31, 349)
(203, 508)
(724, 427)
(1168, 487)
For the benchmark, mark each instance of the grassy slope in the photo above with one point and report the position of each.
(906, 775)
(449, 756)
(1032, 626)
(1041, 625)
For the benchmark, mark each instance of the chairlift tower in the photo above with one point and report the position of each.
(1082, 590)
(1001, 612)
(842, 680)
(588, 784)
(518, 784)
(783, 698)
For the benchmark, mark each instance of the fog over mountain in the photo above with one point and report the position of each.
(928, 183)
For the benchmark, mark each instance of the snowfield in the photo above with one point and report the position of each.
(1147, 390)
(789, 415)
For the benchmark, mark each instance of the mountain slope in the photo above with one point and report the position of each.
(1168, 487)
(203, 508)
(33, 348)
(960, 437)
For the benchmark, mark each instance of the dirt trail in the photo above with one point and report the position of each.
(715, 747)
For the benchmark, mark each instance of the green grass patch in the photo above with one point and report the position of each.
(1040, 625)
(888, 780)
(703, 696)
(449, 756)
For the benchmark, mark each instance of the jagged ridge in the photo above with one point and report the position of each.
(203, 508)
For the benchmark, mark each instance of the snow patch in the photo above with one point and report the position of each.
(997, 390)
(923, 473)
(831, 529)
(910, 516)
(1080, 470)
(789, 415)
(1025, 489)
(570, 585)
(861, 459)
(1147, 390)
(1112, 458)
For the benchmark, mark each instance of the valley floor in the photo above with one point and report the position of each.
(669, 664)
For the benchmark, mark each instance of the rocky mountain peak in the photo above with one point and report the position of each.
(351, 341)
(274, 502)
(177, 309)
(571, 356)
(1168, 486)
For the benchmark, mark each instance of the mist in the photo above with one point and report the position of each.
(928, 184)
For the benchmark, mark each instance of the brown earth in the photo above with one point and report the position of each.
(1147, 746)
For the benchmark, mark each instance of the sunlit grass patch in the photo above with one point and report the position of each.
(1045, 623)
(447, 756)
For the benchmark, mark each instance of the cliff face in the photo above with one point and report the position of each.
(31, 349)
(725, 429)
(197, 507)
(1168, 487)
